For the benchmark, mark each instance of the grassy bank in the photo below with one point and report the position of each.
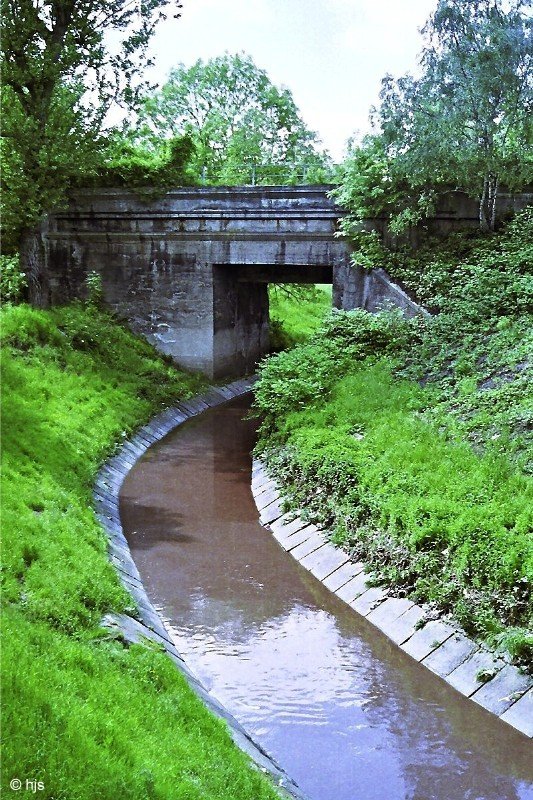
(296, 312)
(82, 713)
(412, 440)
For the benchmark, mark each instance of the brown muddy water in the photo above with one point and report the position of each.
(342, 709)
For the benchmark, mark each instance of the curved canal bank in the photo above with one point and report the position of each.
(387, 710)
(147, 624)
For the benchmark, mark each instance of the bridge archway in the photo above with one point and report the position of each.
(190, 271)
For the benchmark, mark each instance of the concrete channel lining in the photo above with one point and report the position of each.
(477, 673)
(146, 624)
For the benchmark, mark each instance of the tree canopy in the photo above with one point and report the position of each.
(464, 123)
(241, 124)
(60, 75)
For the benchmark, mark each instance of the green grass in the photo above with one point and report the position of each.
(432, 517)
(413, 439)
(81, 712)
(296, 315)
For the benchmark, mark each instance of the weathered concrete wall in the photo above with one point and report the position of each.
(374, 290)
(189, 270)
(355, 287)
(455, 212)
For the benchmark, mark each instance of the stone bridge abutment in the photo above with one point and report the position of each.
(190, 271)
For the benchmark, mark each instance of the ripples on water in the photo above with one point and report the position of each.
(347, 714)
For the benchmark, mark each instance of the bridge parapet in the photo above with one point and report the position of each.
(189, 269)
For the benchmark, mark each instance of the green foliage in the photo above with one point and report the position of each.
(465, 123)
(413, 439)
(63, 66)
(477, 352)
(95, 291)
(243, 127)
(489, 276)
(434, 519)
(373, 185)
(12, 280)
(149, 173)
(296, 312)
(308, 373)
(74, 382)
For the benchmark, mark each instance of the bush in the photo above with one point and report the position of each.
(13, 282)
(295, 378)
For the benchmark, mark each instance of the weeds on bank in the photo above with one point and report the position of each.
(412, 439)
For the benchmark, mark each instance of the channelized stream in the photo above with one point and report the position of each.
(344, 711)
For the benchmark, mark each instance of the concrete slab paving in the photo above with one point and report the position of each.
(503, 690)
(264, 500)
(285, 526)
(299, 536)
(271, 513)
(427, 639)
(368, 601)
(262, 483)
(125, 567)
(314, 541)
(313, 558)
(390, 609)
(520, 714)
(226, 394)
(257, 478)
(331, 559)
(353, 588)
(465, 677)
(342, 575)
(453, 652)
(133, 451)
(267, 486)
(192, 407)
(403, 627)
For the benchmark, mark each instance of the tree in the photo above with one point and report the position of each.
(239, 121)
(60, 77)
(466, 121)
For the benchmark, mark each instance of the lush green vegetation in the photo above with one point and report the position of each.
(81, 712)
(244, 128)
(464, 123)
(296, 312)
(412, 439)
(61, 73)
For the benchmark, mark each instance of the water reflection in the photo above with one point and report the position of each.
(343, 710)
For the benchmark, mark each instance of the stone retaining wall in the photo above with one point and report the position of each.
(439, 644)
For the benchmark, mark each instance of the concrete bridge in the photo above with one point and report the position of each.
(190, 270)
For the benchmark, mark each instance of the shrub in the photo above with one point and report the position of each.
(13, 282)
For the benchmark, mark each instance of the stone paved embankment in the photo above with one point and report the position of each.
(438, 644)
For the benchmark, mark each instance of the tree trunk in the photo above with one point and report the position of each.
(489, 203)
(32, 261)
(494, 201)
(483, 216)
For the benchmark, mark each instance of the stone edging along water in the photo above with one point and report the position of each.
(147, 623)
(438, 645)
